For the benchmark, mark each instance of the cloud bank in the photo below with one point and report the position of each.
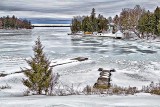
(69, 8)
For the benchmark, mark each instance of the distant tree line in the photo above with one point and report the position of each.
(89, 23)
(14, 23)
(139, 20)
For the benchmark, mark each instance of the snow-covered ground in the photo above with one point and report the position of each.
(14, 97)
(139, 100)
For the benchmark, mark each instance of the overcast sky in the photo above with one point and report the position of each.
(69, 8)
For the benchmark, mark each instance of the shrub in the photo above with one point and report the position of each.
(153, 88)
(64, 90)
(87, 90)
(26, 93)
(112, 90)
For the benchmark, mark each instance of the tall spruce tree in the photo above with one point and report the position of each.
(39, 77)
(152, 23)
(116, 20)
(93, 15)
(157, 16)
(143, 23)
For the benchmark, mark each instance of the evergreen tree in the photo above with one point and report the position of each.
(147, 23)
(158, 27)
(39, 77)
(143, 23)
(89, 23)
(152, 23)
(93, 14)
(7, 23)
(3, 22)
(116, 20)
(157, 17)
(76, 25)
(93, 21)
(13, 22)
(103, 24)
(85, 24)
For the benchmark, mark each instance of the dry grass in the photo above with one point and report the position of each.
(153, 88)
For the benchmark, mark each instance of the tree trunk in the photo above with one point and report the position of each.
(142, 35)
(137, 33)
(39, 91)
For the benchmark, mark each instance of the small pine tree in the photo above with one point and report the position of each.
(40, 75)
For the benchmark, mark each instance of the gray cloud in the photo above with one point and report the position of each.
(69, 8)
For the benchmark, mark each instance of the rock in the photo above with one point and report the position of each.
(80, 58)
(112, 70)
(3, 75)
(100, 69)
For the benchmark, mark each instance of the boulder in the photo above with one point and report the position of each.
(3, 75)
(100, 69)
(112, 70)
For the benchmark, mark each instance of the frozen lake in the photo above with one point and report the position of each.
(137, 62)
